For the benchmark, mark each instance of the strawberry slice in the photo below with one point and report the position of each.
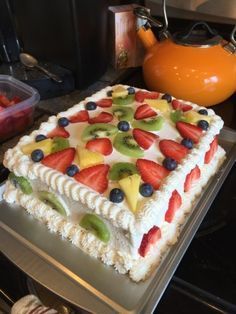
(100, 145)
(150, 238)
(103, 117)
(211, 152)
(4, 101)
(188, 130)
(177, 105)
(94, 177)
(145, 139)
(193, 176)
(60, 160)
(175, 202)
(141, 95)
(58, 132)
(143, 112)
(81, 116)
(172, 149)
(16, 99)
(104, 103)
(151, 172)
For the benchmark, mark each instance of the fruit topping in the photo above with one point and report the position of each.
(177, 105)
(61, 160)
(187, 142)
(104, 103)
(143, 112)
(81, 116)
(58, 132)
(145, 139)
(177, 115)
(169, 163)
(188, 130)
(102, 117)
(130, 186)
(159, 104)
(153, 124)
(151, 172)
(44, 145)
(131, 90)
(40, 137)
(94, 224)
(172, 149)
(63, 122)
(100, 145)
(193, 117)
(211, 152)
(122, 170)
(4, 101)
(119, 91)
(72, 170)
(116, 195)
(125, 144)
(98, 130)
(203, 112)
(167, 97)
(123, 113)
(141, 95)
(203, 124)
(193, 176)
(59, 143)
(123, 101)
(91, 105)
(87, 158)
(146, 190)
(37, 155)
(109, 93)
(51, 200)
(94, 177)
(150, 238)
(123, 126)
(174, 204)
(21, 182)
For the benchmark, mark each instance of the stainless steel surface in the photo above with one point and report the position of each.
(30, 62)
(86, 282)
(143, 13)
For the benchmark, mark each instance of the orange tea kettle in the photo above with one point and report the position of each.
(196, 65)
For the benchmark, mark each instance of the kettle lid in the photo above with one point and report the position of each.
(198, 34)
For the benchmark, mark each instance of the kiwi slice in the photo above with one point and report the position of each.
(123, 101)
(125, 144)
(122, 170)
(98, 130)
(94, 224)
(154, 124)
(59, 143)
(177, 115)
(21, 182)
(51, 200)
(123, 113)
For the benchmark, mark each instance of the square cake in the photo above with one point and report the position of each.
(117, 174)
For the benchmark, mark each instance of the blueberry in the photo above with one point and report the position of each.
(146, 189)
(109, 93)
(40, 137)
(116, 195)
(187, 142)
(63, 121)
(169, 163)
(72, 170)
(203, 111)
(167, 97)
(123, 126)
(131, 90)
(203, 124)
(91, 105)
(37, 155)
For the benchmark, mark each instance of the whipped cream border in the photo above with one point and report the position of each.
(143, 219)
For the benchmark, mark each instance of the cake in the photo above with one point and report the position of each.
(117, 174)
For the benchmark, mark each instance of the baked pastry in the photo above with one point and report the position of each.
(117, 173)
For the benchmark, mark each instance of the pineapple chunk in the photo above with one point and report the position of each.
(88, 158)
(160, 104)
(45, 146)
(130, 186)
(194, 117)
(119, 91)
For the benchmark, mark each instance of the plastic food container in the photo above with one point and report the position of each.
(17, 117)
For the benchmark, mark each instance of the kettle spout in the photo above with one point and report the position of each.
(147, 37)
